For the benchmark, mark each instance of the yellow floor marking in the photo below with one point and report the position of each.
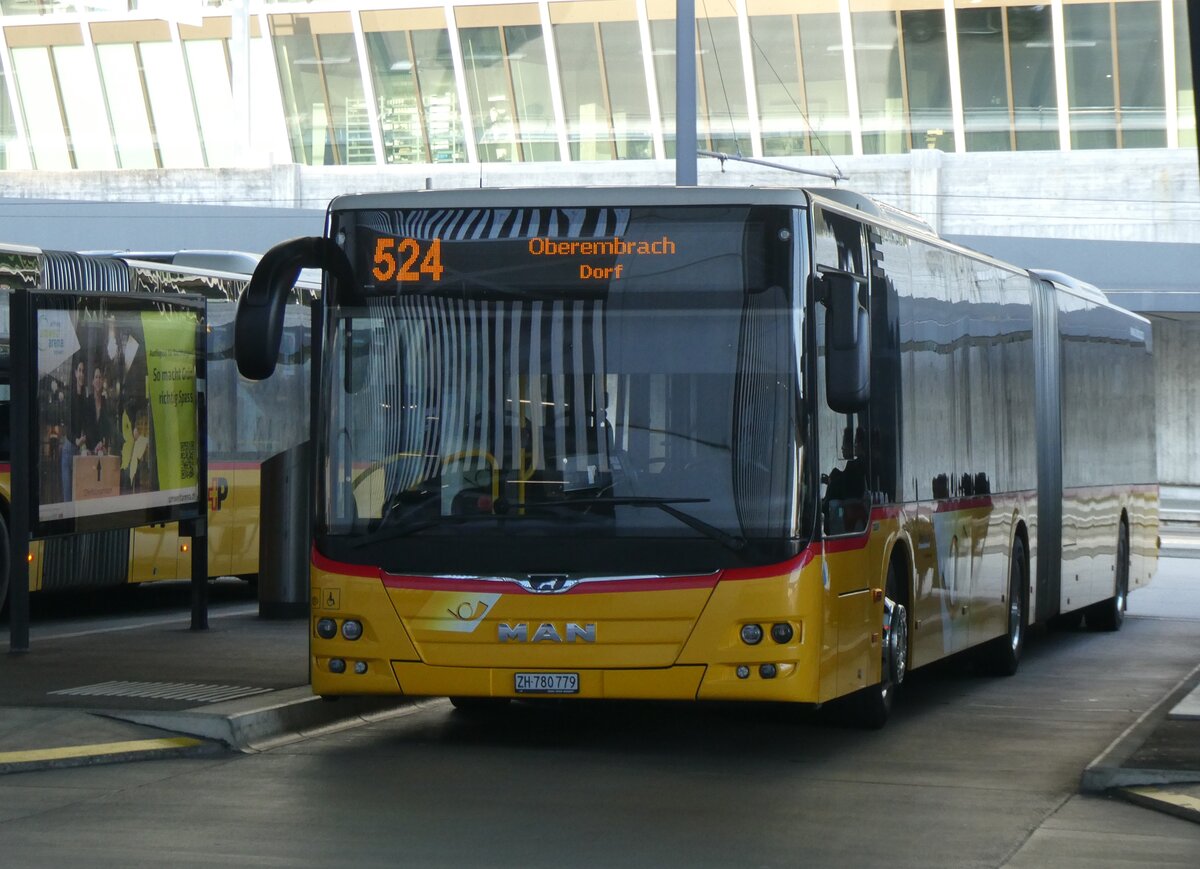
(1184, 801)
(130, 746)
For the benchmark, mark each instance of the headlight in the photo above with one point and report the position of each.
(752, 634)
(326, 629)
(352, 629)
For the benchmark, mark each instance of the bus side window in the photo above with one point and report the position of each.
(846, 504)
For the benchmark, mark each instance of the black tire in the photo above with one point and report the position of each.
(4, 559)
(480, 707)
(1002, 656)
(873, 705)
(1109, 615)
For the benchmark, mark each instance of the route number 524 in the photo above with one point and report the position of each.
(397, 259)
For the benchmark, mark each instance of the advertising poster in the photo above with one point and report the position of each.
(115, 412)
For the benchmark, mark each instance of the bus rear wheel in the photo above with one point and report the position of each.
(874, 703)
(1002, 655)
(1109, 615)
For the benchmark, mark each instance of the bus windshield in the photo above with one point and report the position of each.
(510, 425)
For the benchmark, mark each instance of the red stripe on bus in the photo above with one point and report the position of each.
(320, 562)
(433, 583)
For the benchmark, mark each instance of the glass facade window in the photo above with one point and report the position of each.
(662, 48)
(885, 129)
(413, 74)
(984, 73)
(927, 78)
(1091, 74)
(13, 154)
(800, 77)
(723, 118)
(1034, 93)
(775, 48)
(319, 76)
(122, 80)
(1115, 78)
(39, 7)
(207, 54)
(44, 122)
(722, 108)
(603, 80)
(508, 83)
(344, 86)
(1141, 86)
(823, 54)
(64, 104)
(1184, 87)
(1006, 67)
(118, 53)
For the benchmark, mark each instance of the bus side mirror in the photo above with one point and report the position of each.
(847, 341)
(258, 324)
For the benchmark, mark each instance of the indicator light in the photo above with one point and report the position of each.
(183, 547)
(782, 632)
(743, 672)
(752, 634)
(326, 629)
(360, 667)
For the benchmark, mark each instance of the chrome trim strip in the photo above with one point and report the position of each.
(557, 583)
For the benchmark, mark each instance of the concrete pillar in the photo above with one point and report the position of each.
(1178, 399)
(925, 186)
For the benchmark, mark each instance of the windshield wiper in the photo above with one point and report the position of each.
(403, 529)
(507, 512)
(729, 541)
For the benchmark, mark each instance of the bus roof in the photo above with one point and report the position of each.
(566, 197)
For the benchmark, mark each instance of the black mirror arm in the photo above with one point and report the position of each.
(258, 325)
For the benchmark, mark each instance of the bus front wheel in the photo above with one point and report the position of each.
(874, 703)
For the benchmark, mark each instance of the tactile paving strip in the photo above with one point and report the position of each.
(198, 693)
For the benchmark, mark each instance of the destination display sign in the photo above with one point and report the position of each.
(552, 249)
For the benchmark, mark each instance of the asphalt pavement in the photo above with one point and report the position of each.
(153, 688)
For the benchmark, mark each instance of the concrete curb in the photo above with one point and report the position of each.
(1106, 772)
(255, 722)
(74, 738)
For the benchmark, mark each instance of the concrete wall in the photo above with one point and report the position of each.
(1177, 375)
(1135, 195)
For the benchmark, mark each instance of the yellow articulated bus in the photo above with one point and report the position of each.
(248, 421)
(700, 444)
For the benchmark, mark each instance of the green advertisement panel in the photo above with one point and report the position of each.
(171, 384)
